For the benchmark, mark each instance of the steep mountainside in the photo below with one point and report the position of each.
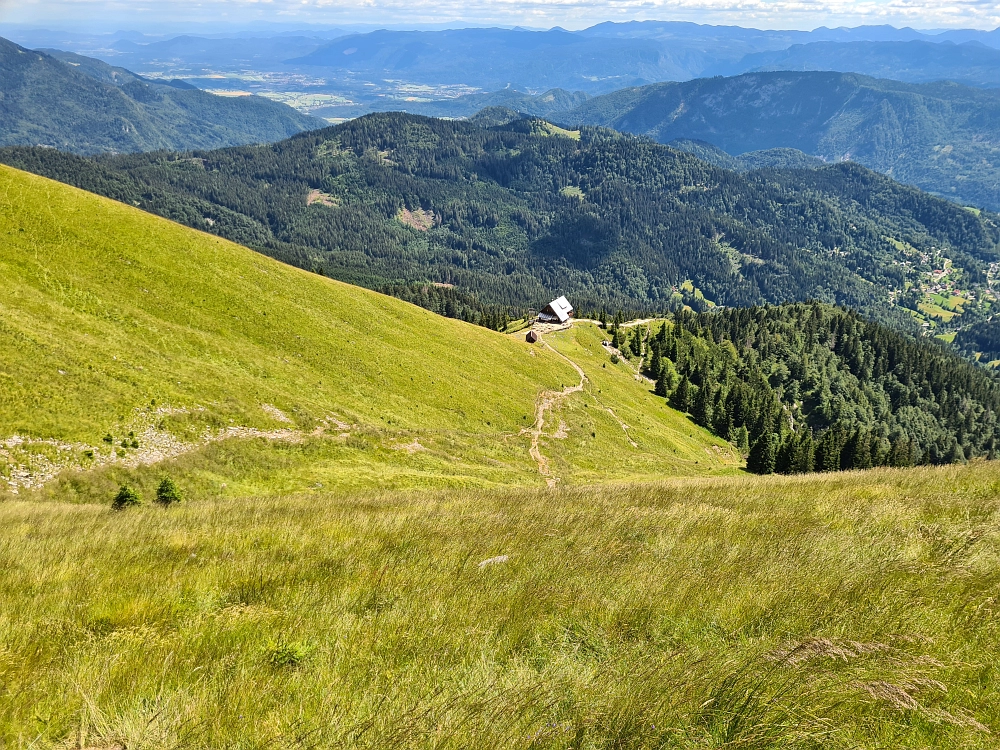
(941, 137)
(516, 213)
(87, 107)
(129, 340)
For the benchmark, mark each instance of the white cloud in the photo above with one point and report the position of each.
(569, 13)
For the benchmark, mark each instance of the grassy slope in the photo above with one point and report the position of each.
(115, 321)
(849, 610)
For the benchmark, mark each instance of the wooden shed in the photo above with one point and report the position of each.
(532, 337)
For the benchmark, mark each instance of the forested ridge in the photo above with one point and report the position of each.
(942, 137)
(514, 214)
(811, 387)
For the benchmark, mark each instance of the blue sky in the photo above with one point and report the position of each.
(797, 14)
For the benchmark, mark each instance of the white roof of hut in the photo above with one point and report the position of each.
(560, 309)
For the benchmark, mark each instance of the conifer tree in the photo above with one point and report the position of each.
(681, 398)
(660, 389)
(701, 411)
(655, 365)
(763, 454)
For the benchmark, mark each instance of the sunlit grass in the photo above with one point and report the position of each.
(849, 610)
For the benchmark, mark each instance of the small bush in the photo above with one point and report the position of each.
(283, 654)
(126, 498)
(168, 492)
(614, 359)
(108, 439)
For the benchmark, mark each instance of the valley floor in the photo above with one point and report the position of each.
(845, 610)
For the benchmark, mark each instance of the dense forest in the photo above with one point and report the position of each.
(811, 387)
(513, 214)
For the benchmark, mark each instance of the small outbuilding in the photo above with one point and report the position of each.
(532, 337)
(557, 311)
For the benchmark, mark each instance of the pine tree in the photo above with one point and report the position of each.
(702, 409)
(828, 451)
(763, 455)
(636, 344)
(126, 498)
(168, 492)
(660, 389)
(655, 362)
(681, 398)
(803, 459)
(784, 458)
(616, 339)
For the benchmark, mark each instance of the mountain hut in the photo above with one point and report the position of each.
(557, 311)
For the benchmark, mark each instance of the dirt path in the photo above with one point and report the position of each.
(546, 401)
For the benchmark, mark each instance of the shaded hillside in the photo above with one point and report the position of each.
(517, 213)
(943, 138)
(772, 158)
(86, 106)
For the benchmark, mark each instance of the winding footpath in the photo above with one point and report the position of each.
(546, 401)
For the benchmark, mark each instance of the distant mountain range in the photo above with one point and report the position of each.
(405, 70)
(86, 106)
(942, 137)
(915, 61)
(610, 56)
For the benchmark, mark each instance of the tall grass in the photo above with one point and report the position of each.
(854, 610)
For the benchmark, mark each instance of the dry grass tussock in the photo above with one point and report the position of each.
(836, 611)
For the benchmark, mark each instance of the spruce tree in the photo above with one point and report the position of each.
(741, 440)
(655, 362)
(126, 498)
(702, 409)
(828, 451)
(763, 454)
(660, 389)
(681, 398)
(168, 492)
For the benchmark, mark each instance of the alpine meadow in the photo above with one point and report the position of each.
(609, 408)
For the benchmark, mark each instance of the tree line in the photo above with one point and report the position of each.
(812, 387)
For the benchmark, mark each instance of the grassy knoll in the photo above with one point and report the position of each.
(124, 327)
(849, 610)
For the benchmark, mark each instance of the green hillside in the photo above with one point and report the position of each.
(83, 105)
(941, 137)
(399, 530)
(517, 213)
(120, 324)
